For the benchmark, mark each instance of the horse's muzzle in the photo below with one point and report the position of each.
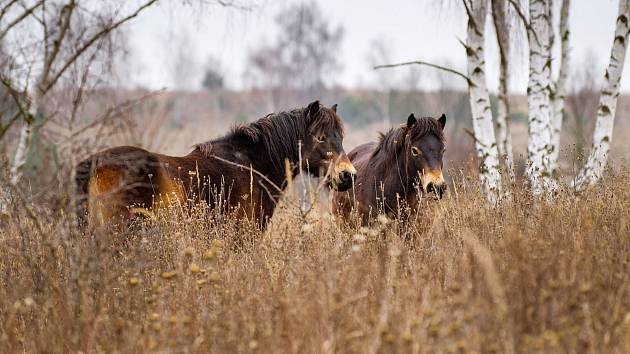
(343, 174)
(437, 189)
(345, 181)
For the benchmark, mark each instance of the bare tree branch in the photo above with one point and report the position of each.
(15, 94)
(65, 15)
(526, 23)
(111, 112)
(468, 6)
(435, 66)
(19, 19)
(93, 39)
(12, 120)
(520, 13)
(6, 8)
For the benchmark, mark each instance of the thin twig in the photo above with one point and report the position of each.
(420, 62)
(113, 110)
(248, 168)
(472, 135)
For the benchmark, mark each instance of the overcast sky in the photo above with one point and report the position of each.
(413, 29)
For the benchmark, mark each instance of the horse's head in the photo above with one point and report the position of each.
(425, 146)
(322, 150)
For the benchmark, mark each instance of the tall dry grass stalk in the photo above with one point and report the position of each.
(524, 277)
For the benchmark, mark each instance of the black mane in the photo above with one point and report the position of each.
(278, 134)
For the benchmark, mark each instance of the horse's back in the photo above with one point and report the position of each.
(113, 181)
(361, 153)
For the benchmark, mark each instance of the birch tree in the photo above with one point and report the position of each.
(559, 89)
(602, 135)
(539, 146)
(483, 130)
(485, 142)
(504, 136)
(62, 33)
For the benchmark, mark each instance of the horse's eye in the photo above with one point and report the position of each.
(320, 139)
(415, 151)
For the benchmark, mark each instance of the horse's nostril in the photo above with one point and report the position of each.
(345, 177)
(438, 189)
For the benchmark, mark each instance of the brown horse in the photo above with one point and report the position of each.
(405, 162)
(242, 172)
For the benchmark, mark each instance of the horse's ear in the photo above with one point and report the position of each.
(312, 109)
(411, 120)
(334, 108)
(442, 121)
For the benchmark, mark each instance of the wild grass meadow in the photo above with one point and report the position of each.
(458, 277)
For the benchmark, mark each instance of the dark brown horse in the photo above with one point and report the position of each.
(406, 162)
(242, 172)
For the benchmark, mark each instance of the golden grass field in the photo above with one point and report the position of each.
(524, 277)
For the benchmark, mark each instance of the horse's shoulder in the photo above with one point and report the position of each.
(361, 150)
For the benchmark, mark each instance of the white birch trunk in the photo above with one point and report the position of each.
(504, 137)
(24, 141)
(483, 129)
(539, 143)
(559, 92)
(21, 154)
(21, 151)
(602, 136)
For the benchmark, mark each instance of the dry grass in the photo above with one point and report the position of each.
(525, 277)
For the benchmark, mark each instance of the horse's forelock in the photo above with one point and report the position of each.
(327, 119)
(426, 126)
(390, 142)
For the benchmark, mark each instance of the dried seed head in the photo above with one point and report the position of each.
(188, 252)
(194, 268)
(216, 243)
(358, 238)
(168, 275)
(210, 255)
(214, 276)
(307, 228)
(28, 302)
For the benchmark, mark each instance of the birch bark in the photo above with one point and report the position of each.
(559, 91)
(483, 129)
(602, 136)
(538, 101)
(24, 142)
(504, 137)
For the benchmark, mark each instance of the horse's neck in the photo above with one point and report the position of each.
(272, 168)
(247, 156)
(393, 176)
